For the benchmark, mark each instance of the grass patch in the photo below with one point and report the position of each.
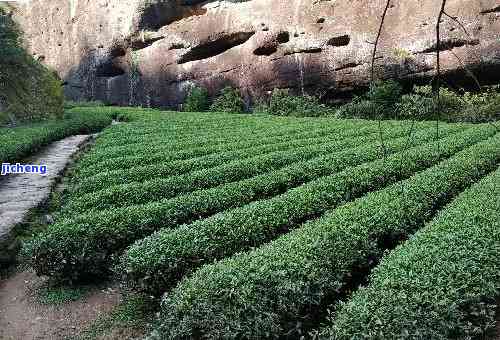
(58, 295)
(132, 318)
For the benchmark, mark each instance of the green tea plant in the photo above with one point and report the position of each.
(442, 283)
(131, 223)
(20, 142)
(224, 234)
(271, 290)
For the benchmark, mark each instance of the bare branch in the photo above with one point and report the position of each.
(437, 84)
(459, 23)
(372, 76)
(469, 72)
(377, 40)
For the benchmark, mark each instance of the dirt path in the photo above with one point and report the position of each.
(23, 317)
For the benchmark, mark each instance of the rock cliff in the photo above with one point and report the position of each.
(149, 52)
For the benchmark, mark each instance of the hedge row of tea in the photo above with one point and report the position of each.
(275, 289)
(19, 142)
(62, 250)
(441, 284)
(254, 226)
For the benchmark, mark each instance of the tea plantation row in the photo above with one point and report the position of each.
(255, 227)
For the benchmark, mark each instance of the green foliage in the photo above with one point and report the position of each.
(134, 314)
(480, 107)
(441, 284)
(163, 188)
(28, 90)
(10, 40)
(385, 94)
(470, 107)
(161, 198)
(58, 252)
(228, 101)
(421, 104)
(272, 290)
(197, 100)
(185, 248)
(385, 100)
(69, 104)
(282, 103)
(20, 142)
(415, 106)
(126, 150)
(379, 102)
(359, 108)
(256, 146)
(58, 295)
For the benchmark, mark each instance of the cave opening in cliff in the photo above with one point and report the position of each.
(160, 14)
(109, 69)
(265, 50)
(215, 47)
(342, 40)
(283, 37)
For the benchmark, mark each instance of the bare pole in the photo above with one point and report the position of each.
(372, 75)
(436, 88)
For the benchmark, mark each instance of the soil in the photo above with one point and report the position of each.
(22, 317)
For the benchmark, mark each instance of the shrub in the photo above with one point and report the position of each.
(102, 161)
(197, 100)
(162, 188)
(415, 106)
(226, 233)
(421, 104)
(273, 290)
(379, 102)
(164, 169)
(385, 95)
(441, 284)
(154, 144)
(359, 108)
(228, 101)
(480, 107)
(282, 103)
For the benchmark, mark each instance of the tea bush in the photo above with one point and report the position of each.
(441, 284)
(274, 289)
(227, 233)
(122, 226)
(20, 142)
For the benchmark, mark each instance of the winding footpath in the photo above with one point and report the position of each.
(19, 193)
(23, 316)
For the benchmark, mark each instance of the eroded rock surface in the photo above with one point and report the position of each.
(150, 52)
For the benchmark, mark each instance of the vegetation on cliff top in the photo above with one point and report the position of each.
(28, 90)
